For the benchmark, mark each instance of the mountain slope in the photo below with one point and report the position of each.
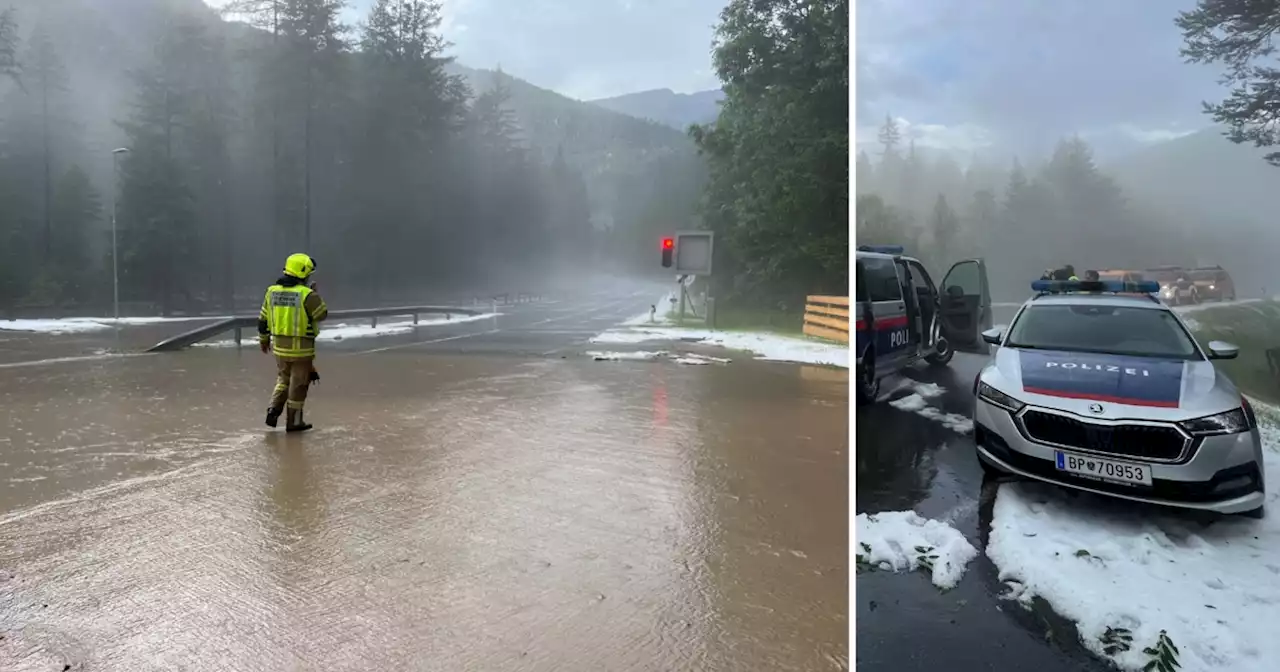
(1221, 193)
(1203, 174)
(615, 152)
(678, 110)
(551, 121)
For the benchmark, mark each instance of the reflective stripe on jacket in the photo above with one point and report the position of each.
(291, 314)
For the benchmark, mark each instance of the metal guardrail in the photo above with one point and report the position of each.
(240, 323)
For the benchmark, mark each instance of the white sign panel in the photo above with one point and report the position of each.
(693, 252)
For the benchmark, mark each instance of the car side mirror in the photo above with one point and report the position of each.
(1223, 350)
(993, 335)
(955, 291)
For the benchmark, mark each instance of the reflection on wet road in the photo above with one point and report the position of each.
(905, 461)
(450, 512)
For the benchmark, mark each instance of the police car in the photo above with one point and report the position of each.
(1098, 386)
(903, 317)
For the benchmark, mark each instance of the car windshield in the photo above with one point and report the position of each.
(1117, 330)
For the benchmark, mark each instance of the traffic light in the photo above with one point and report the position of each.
(668, 248)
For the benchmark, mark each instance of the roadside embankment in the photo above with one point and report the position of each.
(1254, 326)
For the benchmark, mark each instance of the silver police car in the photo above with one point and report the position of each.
(1099, 386)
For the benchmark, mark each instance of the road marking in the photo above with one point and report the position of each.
(597, 309)
(561, 332)
(524, 327)
(434, 340)
(80, 358)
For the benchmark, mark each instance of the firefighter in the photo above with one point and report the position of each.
(287, 327)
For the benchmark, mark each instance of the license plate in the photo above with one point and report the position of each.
(1103, 470)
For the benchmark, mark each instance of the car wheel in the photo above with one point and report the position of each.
(943, 353)
(868, 386)
(1256, 514)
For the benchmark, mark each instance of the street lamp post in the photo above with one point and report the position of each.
(115, 264)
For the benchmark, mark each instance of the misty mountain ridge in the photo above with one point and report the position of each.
(552, 120)
(677, 110)
(602, 143)
(99, 69)
(1203, 175)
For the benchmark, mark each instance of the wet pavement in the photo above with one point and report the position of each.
(906, 462)
(475, 497)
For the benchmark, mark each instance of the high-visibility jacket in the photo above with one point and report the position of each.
(289, 319)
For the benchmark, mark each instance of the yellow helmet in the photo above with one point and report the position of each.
(299, 266)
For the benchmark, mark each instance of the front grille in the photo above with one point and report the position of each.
(1140, 441)
(1177, 491)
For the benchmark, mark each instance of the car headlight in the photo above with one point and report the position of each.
(999, 398)
(1213, 286)
(1233, 421)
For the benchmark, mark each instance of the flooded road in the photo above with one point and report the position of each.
(478, 507)
(906, 461)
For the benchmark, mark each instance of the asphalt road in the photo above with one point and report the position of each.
(904, 623)
(478, 496)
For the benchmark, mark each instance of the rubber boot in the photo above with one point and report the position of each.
(273, 416)
(293, 421)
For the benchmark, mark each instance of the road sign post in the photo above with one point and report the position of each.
(693, 253)
(690, 252)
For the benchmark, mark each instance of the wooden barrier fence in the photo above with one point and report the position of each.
(827, 317)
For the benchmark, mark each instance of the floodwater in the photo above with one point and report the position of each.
(447, 513)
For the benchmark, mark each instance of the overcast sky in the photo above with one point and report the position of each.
(1021, 73)
(584, 48)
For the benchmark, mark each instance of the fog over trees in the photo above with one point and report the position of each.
(274, 128)
(271, 127)
(1026, 217)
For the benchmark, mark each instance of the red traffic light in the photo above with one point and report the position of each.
(668, 243)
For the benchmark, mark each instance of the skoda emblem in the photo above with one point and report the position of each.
(1095, 409)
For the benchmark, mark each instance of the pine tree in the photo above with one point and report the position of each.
(785, 72)
(201, 65)
(269, 82)
(890, 136)
(411, 109)
(9, 64)
(313, 41)
(157, 219)
(571, 223)
(945, 227)
(77, 208)
(865, 173)
(1087, 206)
(982, 220)
(46, 81)
(879, 223)
(1020, 239)
(1239, 34)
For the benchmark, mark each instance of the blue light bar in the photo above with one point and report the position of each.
(1113, 286)
(882, 249)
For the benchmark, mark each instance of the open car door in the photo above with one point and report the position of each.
(966, 306)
